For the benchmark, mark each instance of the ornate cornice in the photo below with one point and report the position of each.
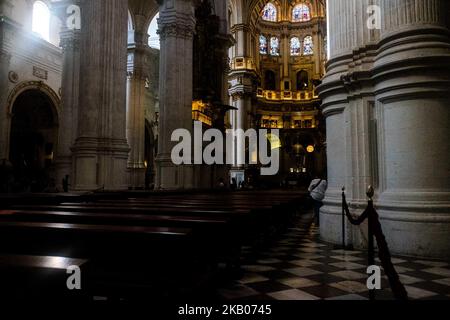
(5, 57)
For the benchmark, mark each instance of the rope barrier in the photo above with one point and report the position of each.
(375, 230)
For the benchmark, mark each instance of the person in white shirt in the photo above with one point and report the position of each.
(317, 190)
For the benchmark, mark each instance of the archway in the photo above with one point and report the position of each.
(302, 80)
(33, 138)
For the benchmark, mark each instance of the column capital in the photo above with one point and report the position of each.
(240, 27)
(176, 30)
(176, 19)
(70, 40)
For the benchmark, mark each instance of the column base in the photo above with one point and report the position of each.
(172, 177)
(419, 229)
(63, 168)
(137, 178)
(100, 164)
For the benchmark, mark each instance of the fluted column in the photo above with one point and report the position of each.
(5, 59)
(412, 74)
(240, 120)
(6, 7)
(137, 95)
(101, 149)
(176, 28)
(348, 100)
(70, 95)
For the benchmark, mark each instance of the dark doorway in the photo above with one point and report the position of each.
(150, 152)
(269, 80)
(302, 80)
(32, 141)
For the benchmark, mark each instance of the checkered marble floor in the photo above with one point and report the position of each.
(300, 267)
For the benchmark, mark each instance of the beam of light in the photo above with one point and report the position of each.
(41, 20)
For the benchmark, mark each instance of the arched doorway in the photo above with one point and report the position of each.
(302, 80)
(33, 138)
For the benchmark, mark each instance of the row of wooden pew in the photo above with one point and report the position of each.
(135, 245)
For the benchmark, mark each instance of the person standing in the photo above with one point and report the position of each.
(317, 190)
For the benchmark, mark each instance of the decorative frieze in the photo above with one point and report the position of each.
(177, 30)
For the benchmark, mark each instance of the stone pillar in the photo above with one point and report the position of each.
(101, 149)
(412, 75)
(176, 28)
(347, 96)
(138, 75)
(241, 89)
(386, 97)
(5, 117)
(70, 95)
(6, 7)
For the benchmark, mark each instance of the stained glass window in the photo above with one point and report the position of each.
(301, 13)
(269, 13)
(296, 49)
(308, 48)
(274, 46)
(263, 48)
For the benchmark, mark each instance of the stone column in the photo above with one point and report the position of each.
(176, 28)
(138, 75)
(412, 75)
(6, 7)
(240, 119)
(101, 149)
(70, 95)
(347, 95)
(5, 117)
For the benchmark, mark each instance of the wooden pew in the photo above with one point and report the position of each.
(39, 277)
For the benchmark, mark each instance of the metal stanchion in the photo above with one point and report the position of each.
(370, 224)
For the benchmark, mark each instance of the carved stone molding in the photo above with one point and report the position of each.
(13, 77)
(70, 43)
(5, 57)
(33, 85)
(176, 30)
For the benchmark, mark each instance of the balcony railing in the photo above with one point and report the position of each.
(287, 95)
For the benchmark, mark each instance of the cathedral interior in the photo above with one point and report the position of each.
(353, 93)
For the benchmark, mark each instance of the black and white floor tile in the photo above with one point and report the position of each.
(300, 267)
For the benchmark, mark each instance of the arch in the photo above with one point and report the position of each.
(142, 13)
(301, 13)
(34, 85)
(33, 138)
(302, 80)
(130, 21)
(40, 24)
(270, 12)
(153, 36)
